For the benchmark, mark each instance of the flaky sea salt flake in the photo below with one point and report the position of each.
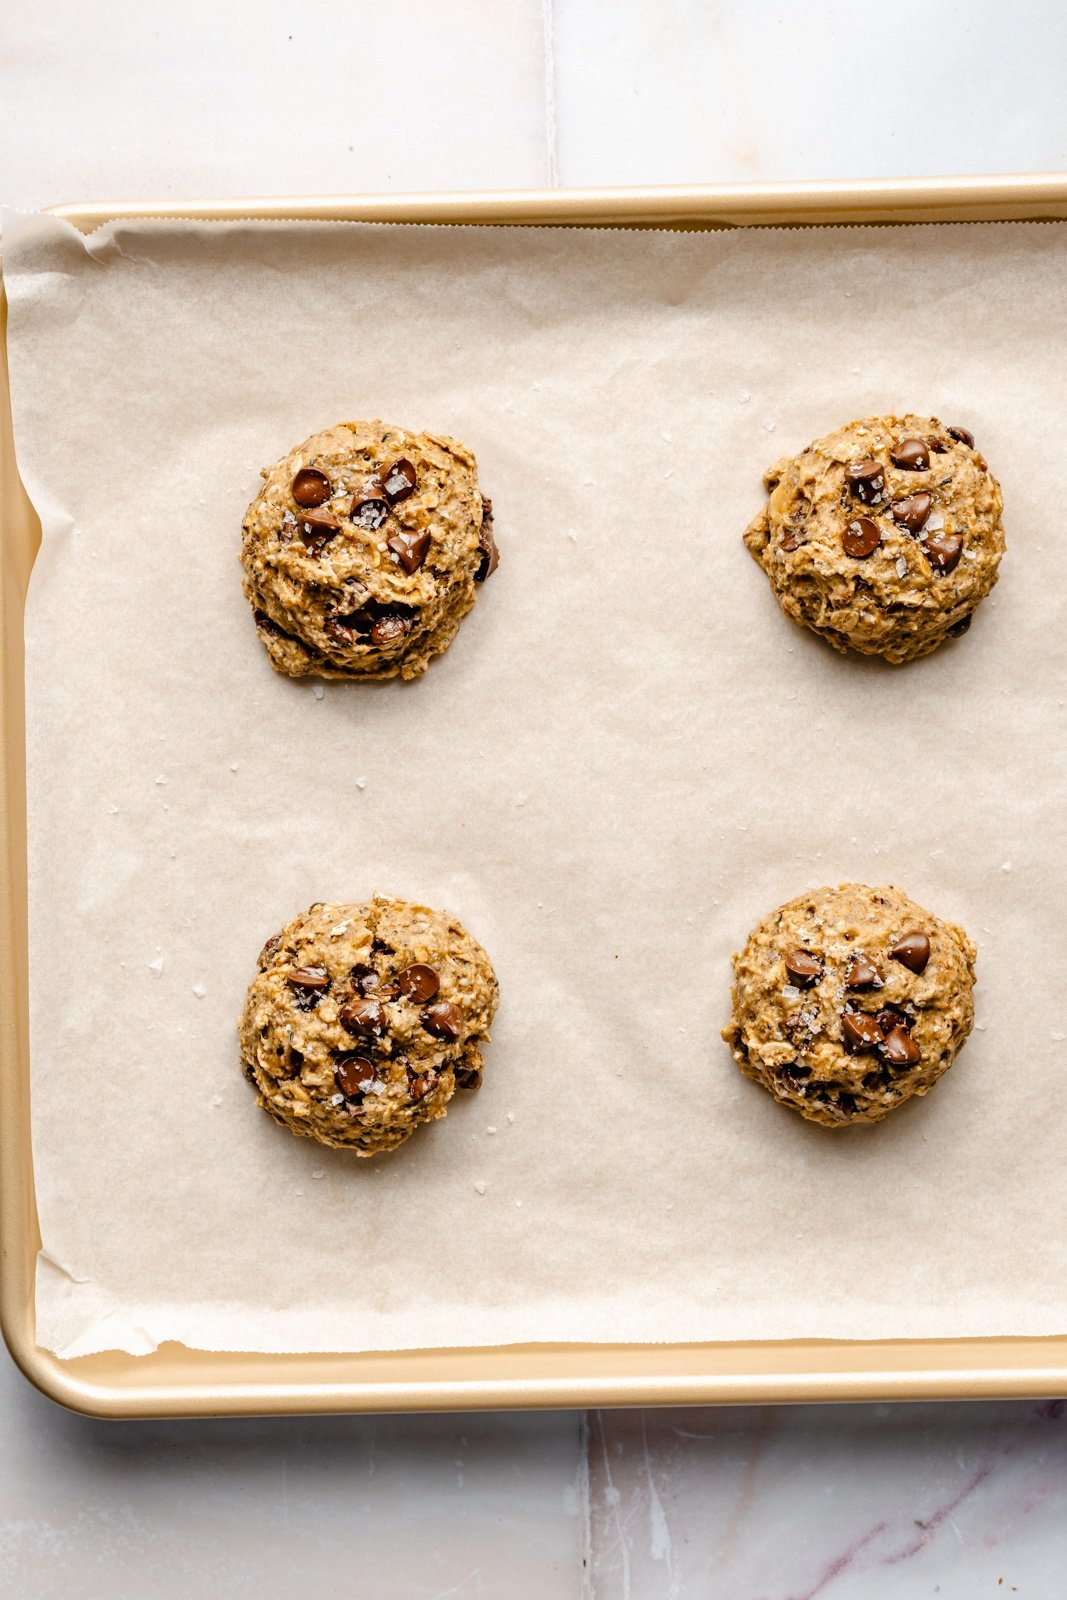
(479, 1187)
(156, 966)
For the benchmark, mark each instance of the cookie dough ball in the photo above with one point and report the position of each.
(363, 549)
(884, 536)
(362, 1021)
(849, 1001)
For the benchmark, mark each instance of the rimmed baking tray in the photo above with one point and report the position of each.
(178, 1381)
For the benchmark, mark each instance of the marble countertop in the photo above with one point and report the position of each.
(128, 101)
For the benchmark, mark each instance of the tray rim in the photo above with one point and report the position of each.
(176, 1381)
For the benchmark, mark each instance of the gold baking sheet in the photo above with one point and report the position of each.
(176, 1380)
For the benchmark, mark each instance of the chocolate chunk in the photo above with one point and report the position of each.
(411, 548)
(960, 627)
(364, 1017)
(418, 982)
(859, 1032)
(866, 479)
(444, 1020)
(388, 991)
(943, 551)
(793, 538)
(803, 968)
(315, 978)
(861, 538)
(862, 973)
(490, 555)
(938, 446)
(397, 480)
(912, 512)
(891, 1017)
(419, 1087)
(911, 455)
(468, 1077)
(369, 511)
(912, 950)
(964, 435)
(846, 1103)
(353, 1074)
(316, 529)
(310, 487)
(364, 978)
(899, 1048)
(390, 627)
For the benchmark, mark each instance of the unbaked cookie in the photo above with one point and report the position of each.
(363, 549)
(849, 1001)
(882, 537)
(363, 1020)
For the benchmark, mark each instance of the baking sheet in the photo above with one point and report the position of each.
(643, 756)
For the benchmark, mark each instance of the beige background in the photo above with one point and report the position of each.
(626, 758)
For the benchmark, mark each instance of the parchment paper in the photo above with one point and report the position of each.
(625, 759)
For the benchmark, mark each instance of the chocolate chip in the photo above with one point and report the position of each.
(847, 1104)
(878, 1079)
(419, 1087)
(316, 978)
(364, 978)
(390, 627)
(960, 627)
(899, 1048)
(964, 435)
(938, 446)
(387, 991)
(364, 1017)
(861, 538)
(397, 480)
(804, 968)
(418, 982)
(268, 625)
(411, 548)
(353, 1074)
(369, 512)
(911, 455)
(862, 973)
(444, 1020)
(943, 551)
(490, 555)
(912, 950)
(310, 487)
(792, 539)
(859, 1032)
(316, 529)
(891, 1017)
(468, 1077)
(912, 512)
(866, 479)
(339, 628)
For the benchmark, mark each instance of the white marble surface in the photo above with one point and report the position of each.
(855, 1503)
